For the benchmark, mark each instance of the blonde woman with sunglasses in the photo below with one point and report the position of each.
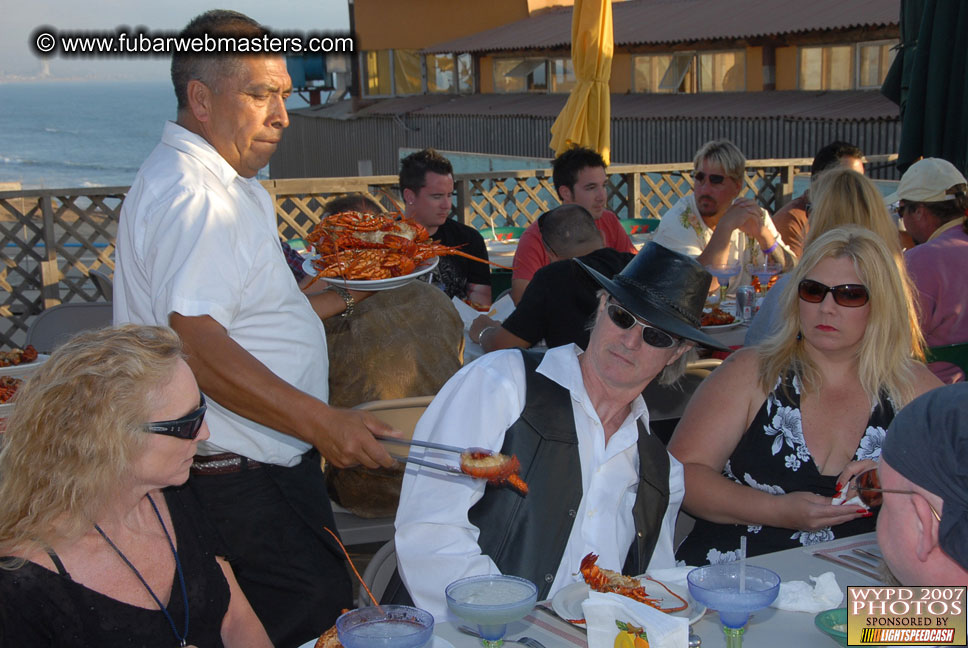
(763, 458)
(99, 546)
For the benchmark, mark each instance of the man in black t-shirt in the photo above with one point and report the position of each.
(560, 300)
(427, 184)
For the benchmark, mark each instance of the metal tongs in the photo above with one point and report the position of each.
(433, 446)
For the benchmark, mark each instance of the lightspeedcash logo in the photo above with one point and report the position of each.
(906, 616)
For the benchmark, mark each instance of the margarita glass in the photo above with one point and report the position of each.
(491, 602)
(723, 274)
(387, 626)
(734, 590)
(763, 272)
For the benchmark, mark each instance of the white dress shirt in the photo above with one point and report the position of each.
(435, 542)
(683, 230)
(196, 238)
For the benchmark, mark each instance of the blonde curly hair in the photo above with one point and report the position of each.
(77, 427)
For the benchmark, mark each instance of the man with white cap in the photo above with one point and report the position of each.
(923, 481)
(931, 199)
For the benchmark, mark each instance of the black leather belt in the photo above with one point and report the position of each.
(222, 464)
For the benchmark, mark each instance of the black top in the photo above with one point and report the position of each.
(560, 300)
(453, 273)
(39, 607)
(772, 456)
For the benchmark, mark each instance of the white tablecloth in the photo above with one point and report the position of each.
(768, 628)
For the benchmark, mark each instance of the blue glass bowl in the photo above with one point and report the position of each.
(395, 626)
(826, 621)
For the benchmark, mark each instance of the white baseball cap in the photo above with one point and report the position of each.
(927, 180)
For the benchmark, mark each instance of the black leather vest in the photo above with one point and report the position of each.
(526, 535)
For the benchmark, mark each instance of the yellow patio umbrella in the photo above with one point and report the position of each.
(585, 119)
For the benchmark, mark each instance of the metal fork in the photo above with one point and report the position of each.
(531, 643)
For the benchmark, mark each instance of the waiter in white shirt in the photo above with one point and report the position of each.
(598, 480)
(198, 250)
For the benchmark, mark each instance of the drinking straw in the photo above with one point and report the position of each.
(742, 564)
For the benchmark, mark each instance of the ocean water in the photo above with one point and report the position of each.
(81, 134)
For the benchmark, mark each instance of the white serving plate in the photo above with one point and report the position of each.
(373, 284)
(567, 602)
(24, 370)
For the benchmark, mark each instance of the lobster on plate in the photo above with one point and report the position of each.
(606, 580)
(353, 245)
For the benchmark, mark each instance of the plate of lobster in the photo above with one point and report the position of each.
(8, 389)
(372, 284)
(718, 319)
(668, 598)
(374, 251)
(21, 362)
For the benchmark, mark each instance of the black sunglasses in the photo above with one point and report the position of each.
(849, 295)
(187, 427)
(868, 485)
(714, 178)
(650, 335)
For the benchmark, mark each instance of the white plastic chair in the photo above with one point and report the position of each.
(378, 573)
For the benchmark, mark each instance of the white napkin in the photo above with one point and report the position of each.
(499, 310)
(605, 612)
(672, 575)
(799, 596)
(854, 501)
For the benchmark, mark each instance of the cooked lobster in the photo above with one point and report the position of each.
(606, 580)
(496, 468)
(353, 245)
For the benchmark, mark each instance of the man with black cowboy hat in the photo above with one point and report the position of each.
(599, 481)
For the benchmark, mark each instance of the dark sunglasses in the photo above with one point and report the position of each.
(650, 335)
(868, 485)
(187, 427)
(849, 295)
(714, 178)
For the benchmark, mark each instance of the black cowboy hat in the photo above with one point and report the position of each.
(665, 288)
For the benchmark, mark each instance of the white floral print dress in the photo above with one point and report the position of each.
(772, 456)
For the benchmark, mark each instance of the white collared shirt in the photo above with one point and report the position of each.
(683, 230)
(435, 542)
(196, 238)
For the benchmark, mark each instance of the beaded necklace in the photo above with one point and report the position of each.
(181, 577)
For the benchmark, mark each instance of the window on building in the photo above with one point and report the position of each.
(722, 71)
(844, 67)
(533, 75)
(562, 75)
(465, 74)
(407, 78)
(827, 68)
(690, 72)
(446, 70)
(520, 75)
(873, 62)
(376, 70)
(440, 73)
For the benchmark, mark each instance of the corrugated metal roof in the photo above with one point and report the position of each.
(640, 22)
(854, 105)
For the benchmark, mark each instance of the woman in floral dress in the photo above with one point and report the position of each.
(764, 456)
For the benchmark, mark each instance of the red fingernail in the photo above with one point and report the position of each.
(863, 511)
(838, 486)
(868, 514)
